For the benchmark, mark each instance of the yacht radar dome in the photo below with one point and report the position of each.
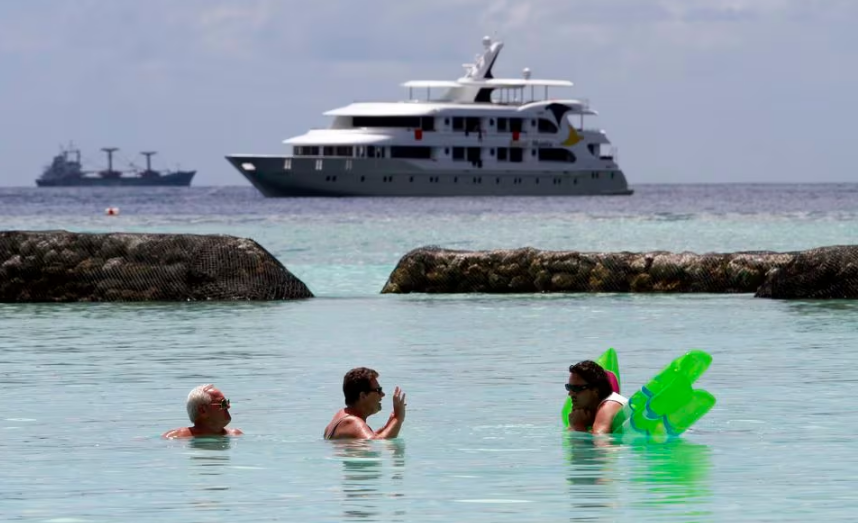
(487, 41)
(527, 73)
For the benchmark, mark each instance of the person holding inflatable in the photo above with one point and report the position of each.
(595, 399)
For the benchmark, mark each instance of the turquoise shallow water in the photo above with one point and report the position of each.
(90, 387)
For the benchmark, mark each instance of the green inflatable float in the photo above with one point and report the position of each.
(667, 405)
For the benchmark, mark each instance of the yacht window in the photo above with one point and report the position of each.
(343, 150)
(371, 151)
(308, 150)
(556, 155)
(473, 154)
(459, 123)
(404, 151)
(428, 123)
(447, 121)
(492, 152)
(516, 154)
(492, 122)
(503, 125)
(533, 123)
(447, 151)
(503, 154)
(473, 124)
(545, 126)
(516, 125)
(459, 153)
(413, 122)
(328, 150)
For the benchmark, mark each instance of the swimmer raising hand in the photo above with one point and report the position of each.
(363, 397)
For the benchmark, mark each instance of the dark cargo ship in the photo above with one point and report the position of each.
(65, 171)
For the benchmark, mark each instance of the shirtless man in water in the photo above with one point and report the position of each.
(595, 403)
(209, 411)
(363, 397)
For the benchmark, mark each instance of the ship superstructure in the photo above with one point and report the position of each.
(481, 136)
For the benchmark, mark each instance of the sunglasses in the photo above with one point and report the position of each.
(576, 388)
(224, 404)
(377, 390)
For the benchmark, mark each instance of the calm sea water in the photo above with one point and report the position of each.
(89, 388)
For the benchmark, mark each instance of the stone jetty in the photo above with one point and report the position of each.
(827, 272)
(62, 266)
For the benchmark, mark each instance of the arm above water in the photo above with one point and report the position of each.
(579, 420)
(605, 415)
(398, 416)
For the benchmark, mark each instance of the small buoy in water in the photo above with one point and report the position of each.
(112, 211)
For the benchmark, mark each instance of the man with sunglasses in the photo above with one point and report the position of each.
(209, 412)
(595, 403)
(363, 397)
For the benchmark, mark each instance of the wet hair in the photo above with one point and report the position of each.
(355, 382)
(198, 397)
(594, 375)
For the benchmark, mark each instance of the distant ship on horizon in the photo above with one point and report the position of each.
(67, 171)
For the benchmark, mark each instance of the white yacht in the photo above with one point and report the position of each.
(478, 136)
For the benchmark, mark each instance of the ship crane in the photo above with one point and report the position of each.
(110, 173)
(149, 172)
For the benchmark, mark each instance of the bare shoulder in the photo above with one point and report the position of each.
(234, 432)
(352, 427)
(183, 432)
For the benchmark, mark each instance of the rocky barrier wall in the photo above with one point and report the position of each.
(828, 272)
(61, 266)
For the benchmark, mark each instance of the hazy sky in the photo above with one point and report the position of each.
(688, 90)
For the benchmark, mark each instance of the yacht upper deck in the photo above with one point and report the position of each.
(477, 91)
(421, 108)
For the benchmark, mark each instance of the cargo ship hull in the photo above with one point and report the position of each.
(176, 179)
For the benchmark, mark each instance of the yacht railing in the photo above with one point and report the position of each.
(484, 131)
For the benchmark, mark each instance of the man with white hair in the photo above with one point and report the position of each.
(209, 412)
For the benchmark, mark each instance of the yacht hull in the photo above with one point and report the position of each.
(283, 176)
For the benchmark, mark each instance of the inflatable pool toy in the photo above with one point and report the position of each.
(667, 405)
